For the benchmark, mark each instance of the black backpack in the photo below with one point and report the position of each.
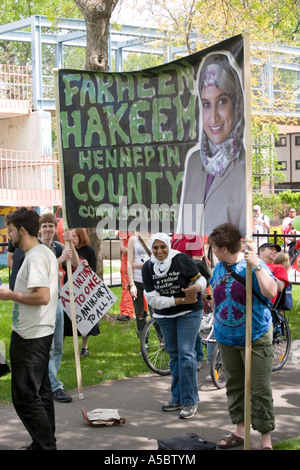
(284, 300)
(189, 441)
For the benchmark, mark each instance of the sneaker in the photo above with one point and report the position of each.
(208, 378)
(170, 406)
(61, 396)
(123, 317)
(188, 411)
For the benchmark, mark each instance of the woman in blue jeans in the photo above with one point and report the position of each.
(172, 285)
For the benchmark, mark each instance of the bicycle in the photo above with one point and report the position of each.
(207, 334)
(153, 348)
(281, 341)
(157, 358)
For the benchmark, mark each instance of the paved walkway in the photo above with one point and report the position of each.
(139, 399)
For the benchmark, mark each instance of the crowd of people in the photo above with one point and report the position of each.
(160, 277)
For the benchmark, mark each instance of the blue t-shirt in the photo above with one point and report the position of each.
(230, 306)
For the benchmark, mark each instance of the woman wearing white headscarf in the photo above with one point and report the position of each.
(214, 175)
(172, 286)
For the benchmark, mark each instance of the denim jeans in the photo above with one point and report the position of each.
(31, 390)
(180, 334)
(56, 350)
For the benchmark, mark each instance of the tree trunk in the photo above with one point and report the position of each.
(97, 14)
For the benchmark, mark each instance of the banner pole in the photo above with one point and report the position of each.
(248, 148)
(69, 265)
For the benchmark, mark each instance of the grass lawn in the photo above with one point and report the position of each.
(113, 353)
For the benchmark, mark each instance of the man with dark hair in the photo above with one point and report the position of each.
(48, 225)
(33, 320)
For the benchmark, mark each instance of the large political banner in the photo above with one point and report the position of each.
(157, 149)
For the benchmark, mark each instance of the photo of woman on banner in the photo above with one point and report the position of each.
(214, 181)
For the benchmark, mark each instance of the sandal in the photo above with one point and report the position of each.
(84, 352)
(231, 441)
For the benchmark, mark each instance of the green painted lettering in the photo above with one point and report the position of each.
(112, 196)
(149, 154)
(144, 90)
(68, 130)
(186, 114)
(85, 158)
(70, 91)
(87, 88)
(125, 157)
(104, 81)
(94, 126)
(163, 87)
(137, 123)
(113, 118)
(174, 184)
(111, 158)
(124, 82)
(96, 187)
(159, 118)
(153, 176)
(77, 179)
(134, 187)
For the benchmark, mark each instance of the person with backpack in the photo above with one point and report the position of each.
(267, 252)
(285, 300)
(229, 293)
(47, 229)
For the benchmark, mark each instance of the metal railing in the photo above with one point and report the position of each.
(111, 264)
(15, 89)
(284, 241)
(29, 178)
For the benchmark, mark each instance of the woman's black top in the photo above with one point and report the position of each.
(181, 273)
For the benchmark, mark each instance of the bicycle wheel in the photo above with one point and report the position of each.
(153, 348)
(281, 342)
(217, 373)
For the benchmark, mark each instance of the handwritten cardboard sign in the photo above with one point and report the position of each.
(92, 298)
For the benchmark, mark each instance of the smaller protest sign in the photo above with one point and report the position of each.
(92, 298)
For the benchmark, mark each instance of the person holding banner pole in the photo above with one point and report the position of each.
(88, 257)
(229, 294)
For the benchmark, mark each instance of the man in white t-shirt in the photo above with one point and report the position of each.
(261, 224)
(33, 320)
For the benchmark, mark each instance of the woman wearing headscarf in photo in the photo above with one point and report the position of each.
(214, 176)
(172, 285)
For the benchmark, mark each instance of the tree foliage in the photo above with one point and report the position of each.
(199, 23)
